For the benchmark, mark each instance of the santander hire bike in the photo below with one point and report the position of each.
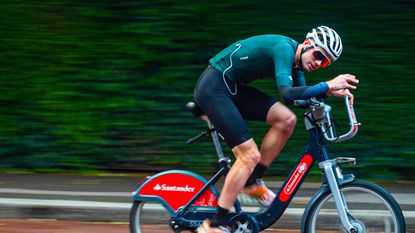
(178, 200)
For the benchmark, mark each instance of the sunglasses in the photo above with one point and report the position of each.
(318, 55)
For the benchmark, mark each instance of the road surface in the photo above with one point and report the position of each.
(48, 203)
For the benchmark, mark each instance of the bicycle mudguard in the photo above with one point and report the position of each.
(323, 189)
(174, 189)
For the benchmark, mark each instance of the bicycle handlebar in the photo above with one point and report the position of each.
(302, 103)
(321, 115)
(354, 125)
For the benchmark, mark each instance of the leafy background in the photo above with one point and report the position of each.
(101, 85)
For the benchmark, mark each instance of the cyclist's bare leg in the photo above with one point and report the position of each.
(282, 121)
(247, 157)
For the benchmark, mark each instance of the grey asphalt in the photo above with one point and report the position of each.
(108, 197)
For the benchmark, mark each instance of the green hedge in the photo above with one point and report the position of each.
(101, 85)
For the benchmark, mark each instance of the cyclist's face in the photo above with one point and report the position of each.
(314, 59)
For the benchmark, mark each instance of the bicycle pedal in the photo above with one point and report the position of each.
(347, 160)
(245, 199)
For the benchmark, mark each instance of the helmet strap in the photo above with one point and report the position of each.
(303, 50)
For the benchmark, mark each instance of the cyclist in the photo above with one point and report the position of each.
(223, 93)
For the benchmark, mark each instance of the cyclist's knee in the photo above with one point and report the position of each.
(280, 116)
(247, 153)
(290, 123)
(249, 158)
(285, 124)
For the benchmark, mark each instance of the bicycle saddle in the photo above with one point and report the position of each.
(194, 108)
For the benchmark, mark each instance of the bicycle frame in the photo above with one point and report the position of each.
(190, 216)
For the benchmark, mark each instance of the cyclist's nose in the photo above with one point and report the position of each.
(318, 62)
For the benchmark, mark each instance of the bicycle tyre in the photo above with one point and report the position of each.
(371, 208)
(149, 217)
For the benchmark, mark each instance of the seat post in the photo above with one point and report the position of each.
(215, 138)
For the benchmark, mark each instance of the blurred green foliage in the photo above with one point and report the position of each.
(102, 84)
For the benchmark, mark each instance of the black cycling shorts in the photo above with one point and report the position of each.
(226, 111)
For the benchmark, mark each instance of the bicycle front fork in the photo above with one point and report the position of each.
(335, 178)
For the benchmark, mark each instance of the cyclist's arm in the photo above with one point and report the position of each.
(289, 93)
(293, 88)
(298, 78)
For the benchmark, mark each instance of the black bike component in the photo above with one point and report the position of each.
(302, 103)
(242, 223)
(197, 138)
(307, 103)
(200, 136)
(195, 109)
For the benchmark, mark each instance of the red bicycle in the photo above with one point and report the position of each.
(180, 200)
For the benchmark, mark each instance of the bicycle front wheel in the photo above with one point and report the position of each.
(370, 209)
(149, 217)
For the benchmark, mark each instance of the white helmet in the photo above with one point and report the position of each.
(326, 38)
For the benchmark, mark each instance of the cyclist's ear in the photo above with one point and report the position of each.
(307, 42)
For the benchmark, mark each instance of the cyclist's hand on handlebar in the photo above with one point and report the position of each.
(342, 82)
(343, 93)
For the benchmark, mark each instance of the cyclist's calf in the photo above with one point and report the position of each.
(248, 154)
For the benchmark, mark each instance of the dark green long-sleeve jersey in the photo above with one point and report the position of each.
(265, 56)
(258, 57)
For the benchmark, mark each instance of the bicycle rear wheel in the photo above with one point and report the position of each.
(149, 217)
(370, 209)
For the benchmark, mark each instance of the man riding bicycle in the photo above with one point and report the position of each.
(223, 94)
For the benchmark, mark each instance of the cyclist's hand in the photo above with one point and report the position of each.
(342, 82)
(343, 93)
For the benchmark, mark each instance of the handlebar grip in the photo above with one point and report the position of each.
(302, 103)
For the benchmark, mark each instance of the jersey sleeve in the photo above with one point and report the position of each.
(298, 78)
(283, 56)
(291, 82)
(289, 93)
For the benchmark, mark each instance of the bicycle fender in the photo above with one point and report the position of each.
(323, 189)
(174, 189)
